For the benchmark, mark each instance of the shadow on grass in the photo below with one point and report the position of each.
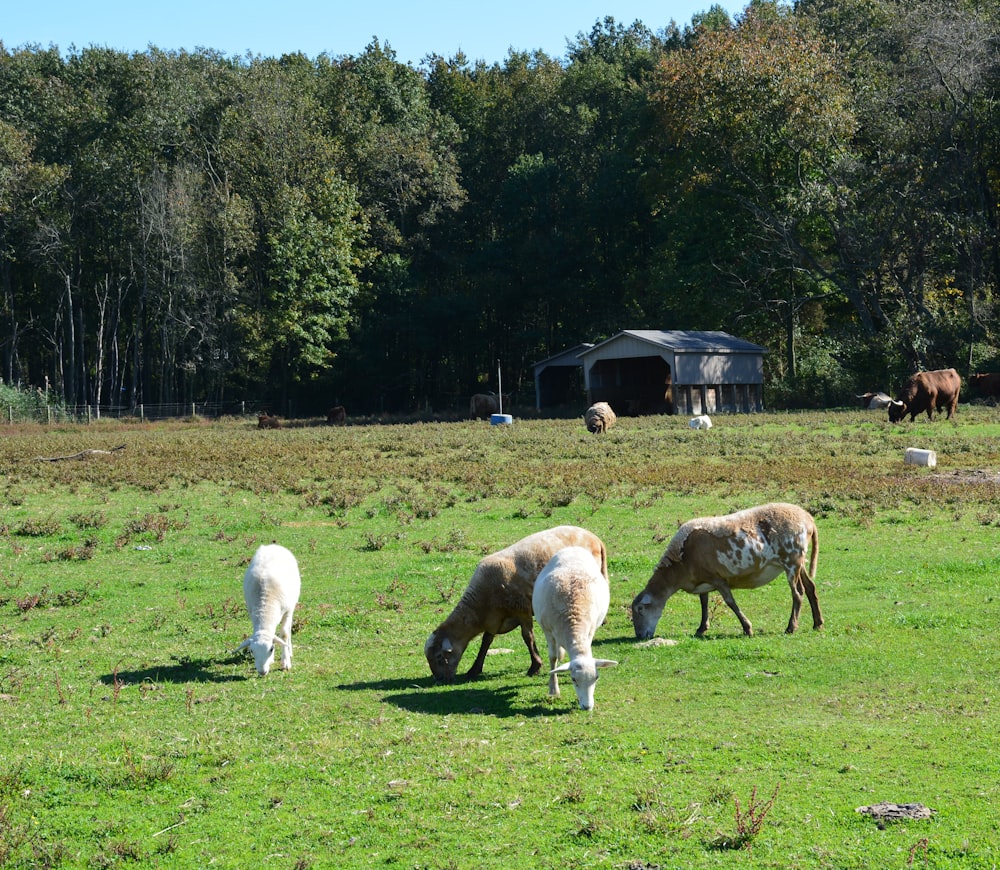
(480, 696)
(180, 671)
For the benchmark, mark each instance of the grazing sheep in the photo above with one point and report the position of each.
(599, 417)
(337, 415)
(570, 600)
(271, 587)
(498, 600)
(701, 422)
(743, 550)
(266, 421)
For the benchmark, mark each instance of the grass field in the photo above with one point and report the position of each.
(131, 736)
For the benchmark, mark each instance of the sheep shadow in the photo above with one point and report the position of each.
(183, 670)
(478, 696)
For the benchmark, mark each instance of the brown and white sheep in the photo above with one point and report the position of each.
(599, 417)
(498, 600)
(743, 550)
(571, 600)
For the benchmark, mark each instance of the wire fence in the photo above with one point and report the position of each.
(140, 412)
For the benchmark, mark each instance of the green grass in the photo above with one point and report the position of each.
(131, 736)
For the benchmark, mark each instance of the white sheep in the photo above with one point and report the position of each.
(271, 588)
(700, 422)
(570, 600)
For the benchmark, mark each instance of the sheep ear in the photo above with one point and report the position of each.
(563, 667)
(605, 663)
(446, 646)
(242, 646)
(646, 598)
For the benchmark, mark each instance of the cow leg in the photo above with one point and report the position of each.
(477, 666)
(727, 596)
(704, 615)
(529, 641)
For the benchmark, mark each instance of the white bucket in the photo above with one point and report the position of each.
(500, 419)
(916, 456)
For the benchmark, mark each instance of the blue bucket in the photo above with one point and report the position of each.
(500, 419)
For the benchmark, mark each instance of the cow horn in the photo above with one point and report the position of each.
(897, 403)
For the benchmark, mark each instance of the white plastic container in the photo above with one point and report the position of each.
(500, 419)
(917, 456)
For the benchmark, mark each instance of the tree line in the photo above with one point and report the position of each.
(822, 178)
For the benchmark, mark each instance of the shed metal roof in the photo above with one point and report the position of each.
(685, 341)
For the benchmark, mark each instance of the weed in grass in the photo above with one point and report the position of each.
(374, 543)
(748, 822)
(12, 835)
(92, 520)
(39, 528)
(150, 525)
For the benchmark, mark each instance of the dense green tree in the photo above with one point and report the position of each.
(755, 116)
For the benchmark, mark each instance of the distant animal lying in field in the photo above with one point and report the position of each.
(271, 587)
(701, 422)
(743, 550)
(266, 421)
(875, 401)
(498, 600)
(599, 417)
(336, 416)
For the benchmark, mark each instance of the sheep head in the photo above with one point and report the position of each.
(262, 647)
(443, 657)
(646, 614)
(583, 672)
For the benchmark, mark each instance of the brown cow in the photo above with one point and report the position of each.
(927, 391)
(266, 421)
(986, 385)
(336, 416)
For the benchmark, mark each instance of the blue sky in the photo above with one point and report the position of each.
(482, 30)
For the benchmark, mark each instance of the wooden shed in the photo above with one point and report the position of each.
(559, 378)
(649, 371)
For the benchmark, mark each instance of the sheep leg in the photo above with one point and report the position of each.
(727, 596)
(554, 655)
(703, 596)
(285, 633)
(477, 666)
(810, 587)
(529, 641)
(796, 587)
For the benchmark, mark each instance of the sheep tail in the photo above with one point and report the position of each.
(815, 553)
